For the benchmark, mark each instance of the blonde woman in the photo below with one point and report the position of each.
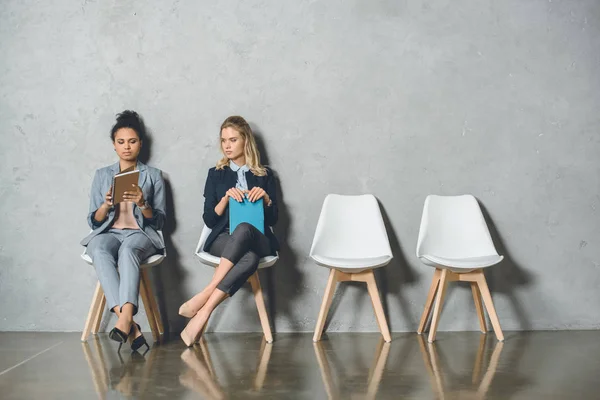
(239, 173)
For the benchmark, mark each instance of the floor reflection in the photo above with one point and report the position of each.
(446, 388)
(373, 380)
(201, 377)
(122, 373)
(462, 365)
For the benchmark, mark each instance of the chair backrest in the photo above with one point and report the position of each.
(350, 227)
(163, 240)
(203, 236)
(453, 227)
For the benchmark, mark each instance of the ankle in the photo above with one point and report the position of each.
(125, 320)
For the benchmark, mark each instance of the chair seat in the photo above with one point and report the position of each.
(461, 264)
(351, 265)
(147, 263)
(213, 261)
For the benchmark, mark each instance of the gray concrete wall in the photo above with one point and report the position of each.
(396, 98)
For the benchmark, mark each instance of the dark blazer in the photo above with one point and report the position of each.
(218, 183)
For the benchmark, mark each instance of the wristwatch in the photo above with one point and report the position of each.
(145, 206)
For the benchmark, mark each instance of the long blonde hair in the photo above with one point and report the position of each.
(250, 150)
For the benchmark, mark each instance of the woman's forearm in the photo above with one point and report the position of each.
(221, 206)
(101, 213)
(147, 213)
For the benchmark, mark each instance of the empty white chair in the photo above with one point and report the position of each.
(455, 240)
(265, 262)
(94, 318)
(351, 240)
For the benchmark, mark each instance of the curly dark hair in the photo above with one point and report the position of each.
(129, 119)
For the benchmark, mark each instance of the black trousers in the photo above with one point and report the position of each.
(244, 248)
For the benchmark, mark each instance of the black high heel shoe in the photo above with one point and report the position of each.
(118, 336)
(138, 341)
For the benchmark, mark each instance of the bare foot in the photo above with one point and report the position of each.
(191, 307)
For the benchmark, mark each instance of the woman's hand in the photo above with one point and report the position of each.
(136, 195)
(257, 193)
(235, 193)
(108, 202)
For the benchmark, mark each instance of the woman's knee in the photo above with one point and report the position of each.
(129, 253)
(97, 253)
(248, 263)
(243, 230)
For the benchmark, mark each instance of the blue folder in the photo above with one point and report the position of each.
(252, 213)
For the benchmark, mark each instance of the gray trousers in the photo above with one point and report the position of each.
(244, 248)
(126, 248)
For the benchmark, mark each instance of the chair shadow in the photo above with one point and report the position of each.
(167, 278)
(284, 279)
(395, 275)
(508, 274)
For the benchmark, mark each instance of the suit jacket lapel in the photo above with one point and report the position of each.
(251, 179)
(115, 168)
(143, 174)
(230, 178)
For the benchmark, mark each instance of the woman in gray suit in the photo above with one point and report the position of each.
(125, 234)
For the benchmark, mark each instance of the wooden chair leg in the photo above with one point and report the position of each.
(144, 293)
(96, 376)
(206, 357)
(99, 315)
(102, 363)
(429, 302)
(478, 307)
(327, 298)
(330, 387)
(479, 360)
(486, 381)
(96, 301)
(376, 300)
(437, 310)
(426, 359)
(437, 373)
(489, 305)
(381, 356)
(263, 363)
(153, 303)
(260, 305)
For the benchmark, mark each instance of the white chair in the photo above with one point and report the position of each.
(455, 240)
(265, 262)
(351, 240)
(94, 318)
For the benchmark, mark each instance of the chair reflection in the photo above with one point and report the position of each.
(479, 385)
(374, 378)
(128, 377)
(202, 378)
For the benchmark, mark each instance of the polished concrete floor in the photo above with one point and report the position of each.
(460, 365)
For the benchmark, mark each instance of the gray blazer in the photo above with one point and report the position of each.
(153, 187)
